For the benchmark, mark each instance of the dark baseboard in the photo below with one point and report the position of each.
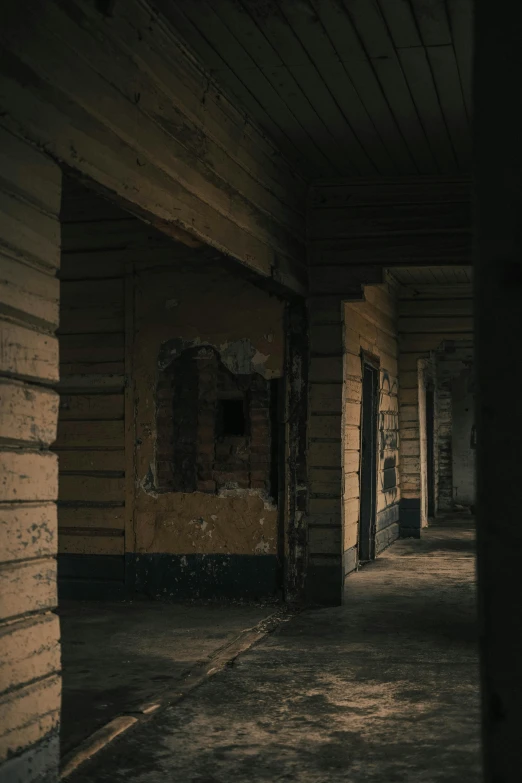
(172, 577)
(410, 518)
(386, 537)
(246, 577)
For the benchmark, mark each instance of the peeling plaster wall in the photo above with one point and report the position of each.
(133, 300)
(371, 326)
(199, 304)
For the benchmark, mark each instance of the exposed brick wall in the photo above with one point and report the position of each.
(196, 449)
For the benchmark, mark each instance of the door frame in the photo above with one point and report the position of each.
(366, 550)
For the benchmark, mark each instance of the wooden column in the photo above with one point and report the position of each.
(324, 582)
(498, 331)
(330, 286)
(30, 683)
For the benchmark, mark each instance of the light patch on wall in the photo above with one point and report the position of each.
(237, 492)
(241, 357)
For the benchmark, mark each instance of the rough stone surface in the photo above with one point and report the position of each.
(384, 688)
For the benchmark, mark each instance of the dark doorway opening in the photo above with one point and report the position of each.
(430, 448)
(368, 484)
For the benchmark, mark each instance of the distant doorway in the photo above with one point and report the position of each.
(368, 484)
(430, 448)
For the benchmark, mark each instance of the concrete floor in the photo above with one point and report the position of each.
(117, 656)
(383, 689)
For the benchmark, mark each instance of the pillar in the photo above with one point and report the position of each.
(30, 683)
(498, 335)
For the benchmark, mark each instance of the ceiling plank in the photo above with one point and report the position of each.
(461, 23)
(312, 35)
(433, 21)
(417, 71)
(347, 44)
(198, 24)
(317, 109)
(447, 79)
(371, 26)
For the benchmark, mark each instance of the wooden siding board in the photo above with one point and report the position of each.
(99, 121)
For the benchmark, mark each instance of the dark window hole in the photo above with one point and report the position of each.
(231, 420)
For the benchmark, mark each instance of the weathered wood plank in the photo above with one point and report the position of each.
(90, 435)
(27, 587)
(436, 307)
(27, 531)
(30, 650)
(29, 715)
(26, 172)
(92, 489)
(110, 518)
(79, 461)
(27, 353)
(99, 544)
(391, 219)
(91, 406)
(28, 414)
(28, 293)
(28, 233)
(28, 475)
(96, 348)
(441, 324)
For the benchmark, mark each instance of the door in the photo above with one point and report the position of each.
(430, 448)
(367, 515)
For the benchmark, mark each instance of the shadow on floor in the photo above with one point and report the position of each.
(117, 656)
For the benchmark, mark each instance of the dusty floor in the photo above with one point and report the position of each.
(383, 689)
(116, 656)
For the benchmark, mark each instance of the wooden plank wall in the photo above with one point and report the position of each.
(119, 99)
(429, 316)
(404, 222)
(91, 429)
(30, 682)
(371, 326)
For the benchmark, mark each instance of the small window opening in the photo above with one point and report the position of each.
(231, 420)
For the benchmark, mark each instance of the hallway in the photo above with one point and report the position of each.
(383, 689)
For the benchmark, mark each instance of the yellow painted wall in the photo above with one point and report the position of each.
(370, 325)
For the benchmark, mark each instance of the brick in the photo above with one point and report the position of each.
(207, 486)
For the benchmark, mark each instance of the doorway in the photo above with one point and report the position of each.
(368, 483)
(430, 447)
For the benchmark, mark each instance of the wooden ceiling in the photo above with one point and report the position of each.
(344, 87)
(433, 275)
